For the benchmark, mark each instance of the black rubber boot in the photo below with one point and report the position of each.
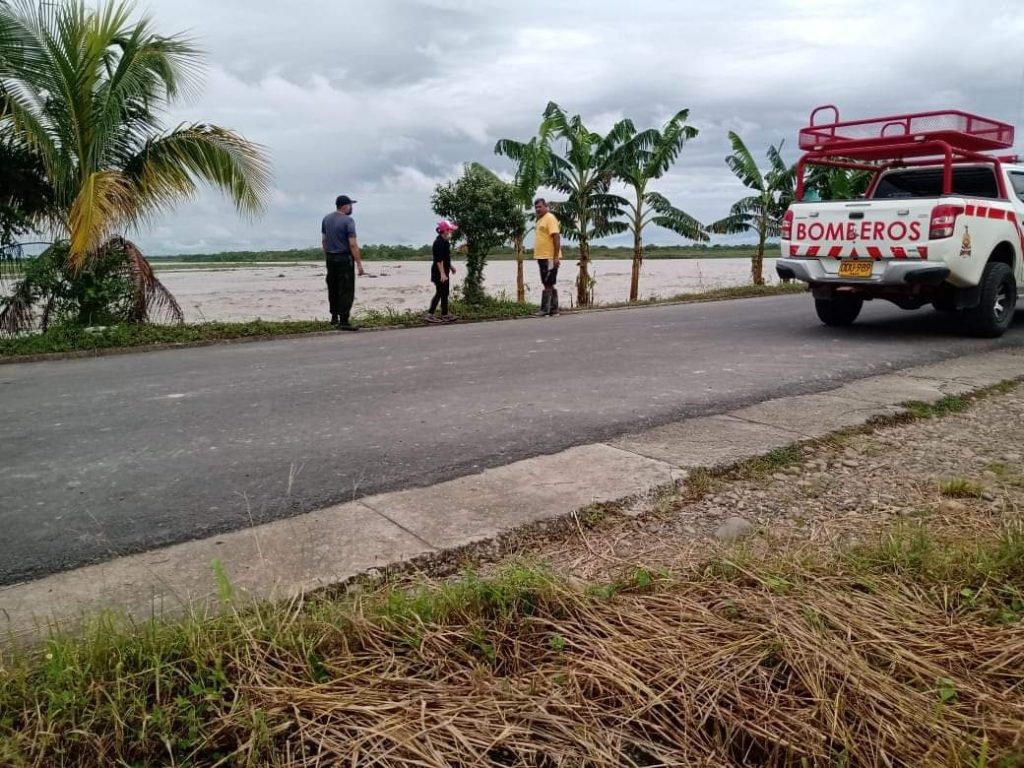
(553, 306)
(545, 302)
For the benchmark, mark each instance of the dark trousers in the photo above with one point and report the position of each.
(441, 293)
(548, 272)
(341, 286)
(548, 278)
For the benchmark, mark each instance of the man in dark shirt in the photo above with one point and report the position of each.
(341, 250)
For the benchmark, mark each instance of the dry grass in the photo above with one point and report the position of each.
(909, 652)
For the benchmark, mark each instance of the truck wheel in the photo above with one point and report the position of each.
(838, 311)
(994, 312)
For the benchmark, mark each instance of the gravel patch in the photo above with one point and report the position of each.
(842, 491)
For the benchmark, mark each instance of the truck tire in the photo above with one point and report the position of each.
(994, 312)
(838, 311)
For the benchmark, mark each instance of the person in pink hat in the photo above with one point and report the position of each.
(441, 271)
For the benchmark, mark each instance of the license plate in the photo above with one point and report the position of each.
(855, 269)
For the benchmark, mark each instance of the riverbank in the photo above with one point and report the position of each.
(69, 341)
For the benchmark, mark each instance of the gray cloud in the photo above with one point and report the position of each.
(384, 100)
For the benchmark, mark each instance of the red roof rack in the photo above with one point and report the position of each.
(961, 130)
(948, 137)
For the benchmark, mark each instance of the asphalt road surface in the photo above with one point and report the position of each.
(107, 456)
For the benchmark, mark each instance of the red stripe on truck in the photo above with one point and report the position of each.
(874, 252)
(899, 252)
(835, 251)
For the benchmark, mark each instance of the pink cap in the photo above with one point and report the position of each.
(445, 226)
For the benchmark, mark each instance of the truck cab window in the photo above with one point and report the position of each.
(1017, 179)
(968, 181)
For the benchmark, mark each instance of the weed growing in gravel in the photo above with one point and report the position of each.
(771, 462)
(961, 488)
(700, 482)
(944, 407)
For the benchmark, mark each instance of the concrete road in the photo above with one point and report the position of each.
(108, 456)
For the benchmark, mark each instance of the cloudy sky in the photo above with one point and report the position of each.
(383, 99)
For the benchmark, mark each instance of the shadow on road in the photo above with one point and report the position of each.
(925, 323)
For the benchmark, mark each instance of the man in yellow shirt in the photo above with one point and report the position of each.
(547, 251)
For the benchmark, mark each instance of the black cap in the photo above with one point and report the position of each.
(343, 200)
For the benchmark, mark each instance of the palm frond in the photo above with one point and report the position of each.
(104, 204)
(152, 301)
(168, 168)
(620, 133)
(742, 163)
(752, 206)
(778, 165)
(512, 149)
(608, 202)
(18, 313)
(674, 219)
(555, 122)
(608, 227)
(532, 159)
(732, 224)
(668, 144)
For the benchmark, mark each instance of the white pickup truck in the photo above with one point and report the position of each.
(941, 223)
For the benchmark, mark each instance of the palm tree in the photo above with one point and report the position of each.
(531, 164)
(761, 212)
(82, 89)
(641, 159)
(584, 174)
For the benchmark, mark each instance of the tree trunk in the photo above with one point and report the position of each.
(638, 260)
(584, 295)
(757, 263)
(473, 285)
(520, 282)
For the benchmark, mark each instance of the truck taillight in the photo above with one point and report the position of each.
(787, 226)
(943, 221)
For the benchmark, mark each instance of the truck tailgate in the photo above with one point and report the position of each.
(861, 229)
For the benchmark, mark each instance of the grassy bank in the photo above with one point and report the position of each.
(905, 651)
(73, 339)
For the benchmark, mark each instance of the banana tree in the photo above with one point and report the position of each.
(761, 212)
(531, 164)
(838, 183)
(641, 159)
(584, 173)
(83, 88)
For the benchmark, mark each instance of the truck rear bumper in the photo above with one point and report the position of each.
(887, 274)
